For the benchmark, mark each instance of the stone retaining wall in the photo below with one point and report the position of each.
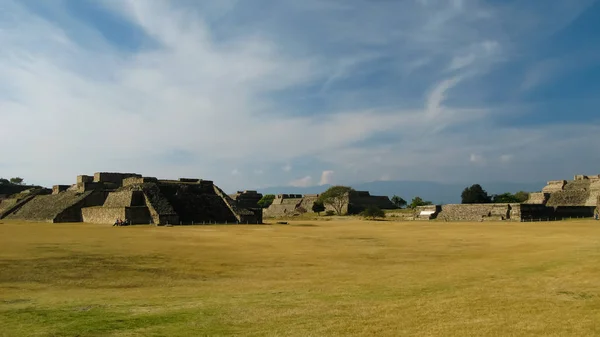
(138, 180)
(108, 215)
(85, 179)
(116, 178)
(478, 212)
(538, 198)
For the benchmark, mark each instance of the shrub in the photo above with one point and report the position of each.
(373, 212)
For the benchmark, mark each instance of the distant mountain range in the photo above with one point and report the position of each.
(438, 193)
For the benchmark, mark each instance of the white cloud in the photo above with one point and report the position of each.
(476, 158)
(235, 172)
(205, 96)
(459, 62)
(435, 99)
(302, 182)
(326, 177)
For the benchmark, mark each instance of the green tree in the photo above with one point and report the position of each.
(417, 201)
(318, 207)
(336, 197)
(505, 198)
(522, 196)
(373, 212)
(4, 181)
(16, 180)
(399, 202)
(475, 195)
(266, 200)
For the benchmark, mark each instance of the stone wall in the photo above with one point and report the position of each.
(108, 215)
(111, 177)
(138, 180)
(85, 179)
(538, 198)
(478, 212)
(94, 186)
(103, 215)
(59, 188)
(574, 211)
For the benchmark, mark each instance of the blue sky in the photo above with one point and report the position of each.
(257, 93)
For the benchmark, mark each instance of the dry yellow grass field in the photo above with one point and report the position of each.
(309, 278)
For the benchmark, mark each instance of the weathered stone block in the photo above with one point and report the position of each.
(111, 177)
(59, 188)
(85, 179)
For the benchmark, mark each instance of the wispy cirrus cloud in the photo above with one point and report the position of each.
(196, 88)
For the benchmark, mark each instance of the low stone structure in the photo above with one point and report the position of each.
(109, 196)
(559, 199)
(296, 204)
(479, 212)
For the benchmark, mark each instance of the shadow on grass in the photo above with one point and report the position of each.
(100, 321)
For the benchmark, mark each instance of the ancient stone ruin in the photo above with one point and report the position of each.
(105, 197)
(296, 204)
(568, 198)
(479, 212)
(559, 199)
